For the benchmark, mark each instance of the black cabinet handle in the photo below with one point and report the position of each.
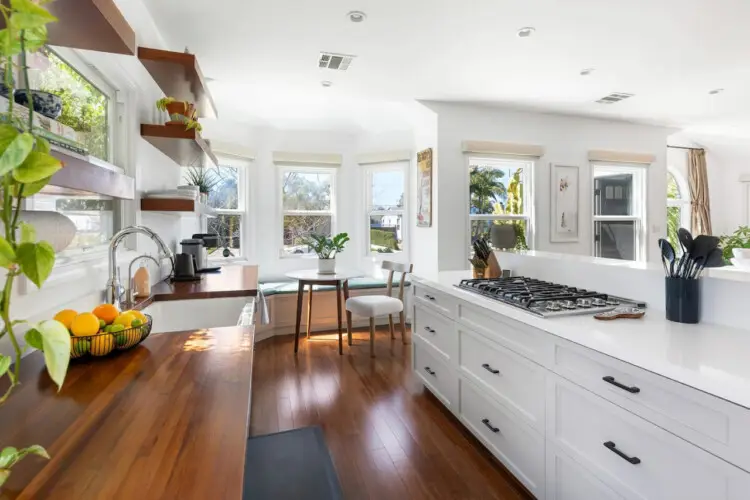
(613, 448)
(490, 369)
(486, 421)
(429, 297)
(428, 329)
(611, 380)
(427, 369)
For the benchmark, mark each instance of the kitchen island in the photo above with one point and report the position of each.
(166, 419)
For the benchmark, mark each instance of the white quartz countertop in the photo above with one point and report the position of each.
(714, 359)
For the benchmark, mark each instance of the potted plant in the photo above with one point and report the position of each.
(326, 248)
(26, 166)
(739, 239)
(178, 111)
(204, 179)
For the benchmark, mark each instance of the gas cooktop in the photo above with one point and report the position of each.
(544, 298)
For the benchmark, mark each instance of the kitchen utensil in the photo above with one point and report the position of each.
(621, 312)
(696, 266)
(184, 267)
(686, 240)
(667, 255)
(683, 300)
(715, 258)
(703, 245)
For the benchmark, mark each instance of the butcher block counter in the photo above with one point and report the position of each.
(166, 419)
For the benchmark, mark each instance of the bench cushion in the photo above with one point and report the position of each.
(281, 287)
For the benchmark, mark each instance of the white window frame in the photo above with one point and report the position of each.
(640, 204)
(241, 164)
(370, 170)
(307, 169)
(683, 202)
(528, 196)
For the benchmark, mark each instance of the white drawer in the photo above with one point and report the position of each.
(637, 458)
(709, 422)
(436, 375)
(512, 379)
(567, 480)
(519, 447)
(441, 302)
(436, 330)
(523, 339)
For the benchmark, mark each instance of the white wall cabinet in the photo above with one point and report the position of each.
(543, 408)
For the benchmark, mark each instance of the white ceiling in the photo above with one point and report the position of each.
(262, 55)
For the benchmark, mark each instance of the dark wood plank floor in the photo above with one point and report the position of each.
(389, 438)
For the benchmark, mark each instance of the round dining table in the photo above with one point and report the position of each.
(311, 277)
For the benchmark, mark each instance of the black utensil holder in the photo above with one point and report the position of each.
(683, 302)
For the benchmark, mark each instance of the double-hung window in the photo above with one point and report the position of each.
(308, 206)
(384, 198)
(619, 209)
(678, 207)
(499, 194)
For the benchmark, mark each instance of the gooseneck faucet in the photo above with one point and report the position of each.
(115, 289)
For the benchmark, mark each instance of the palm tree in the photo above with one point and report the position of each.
(485, 187)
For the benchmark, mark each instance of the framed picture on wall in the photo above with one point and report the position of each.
(564, 182)
(424, 188)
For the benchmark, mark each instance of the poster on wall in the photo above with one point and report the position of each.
(424, 188)
(564, 203)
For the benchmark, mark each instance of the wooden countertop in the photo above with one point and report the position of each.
(231, 281)
(167, 419)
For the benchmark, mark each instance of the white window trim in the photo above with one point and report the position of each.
(683, 202)
(640, 208)
(280, 212)
(369, 170)
(241, 210)
(528, 196)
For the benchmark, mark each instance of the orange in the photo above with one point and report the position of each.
(106, 312)
(139, 315)
(101, 345)
(84, 324)
(66, 317)
(124, 319)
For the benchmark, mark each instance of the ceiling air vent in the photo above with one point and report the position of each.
(334, 61)
(614, 97)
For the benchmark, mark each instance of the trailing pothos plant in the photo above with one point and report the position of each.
(26, 166)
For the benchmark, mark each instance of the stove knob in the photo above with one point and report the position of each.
(553, 306)
(613, 302)
(583, 302)
(598, 302)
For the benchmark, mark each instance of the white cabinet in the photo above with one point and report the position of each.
(439, 301)
(436, 330)
(568, 480)
(436, 375)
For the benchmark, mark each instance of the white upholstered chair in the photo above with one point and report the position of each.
(372, 306)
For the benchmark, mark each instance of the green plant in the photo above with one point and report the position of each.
(739, 239)
(26, 166)
(326, 247)
(203, 178)
(162, 103)
(193, 124)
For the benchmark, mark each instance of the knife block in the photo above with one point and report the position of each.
(493, 268)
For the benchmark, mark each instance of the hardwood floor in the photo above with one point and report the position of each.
(389, 437)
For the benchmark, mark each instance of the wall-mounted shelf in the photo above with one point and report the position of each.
(92, 25)
(79, 173)
(179, 76)
(178, 206)
(183, 146)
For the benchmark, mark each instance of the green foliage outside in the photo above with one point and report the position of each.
(489, 195)
(673, 213)
(305, 192)
(380, 238)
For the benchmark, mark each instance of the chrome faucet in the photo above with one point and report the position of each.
(115, 290)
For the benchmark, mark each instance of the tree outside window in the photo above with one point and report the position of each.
(307, 207)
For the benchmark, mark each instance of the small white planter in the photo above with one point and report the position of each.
(327, 266)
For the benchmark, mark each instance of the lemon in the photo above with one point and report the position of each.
(125, 319)
(101, 345)
(139, 315)
(66, 317)
(85, 324)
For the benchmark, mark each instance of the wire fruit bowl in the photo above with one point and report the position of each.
(103, 344)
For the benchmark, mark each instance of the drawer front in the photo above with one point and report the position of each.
(712, 424)
(436, 375)
(634, 456)
(568, 480)
(439, 301)
(512, 379)
(519, 447)
(436, 330)
(523, 339)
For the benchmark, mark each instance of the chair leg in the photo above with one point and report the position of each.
(390, 326)
(300, 291)
(372, 337)
(348, 314)
(338, 315)
(402, 318)
(309, 309)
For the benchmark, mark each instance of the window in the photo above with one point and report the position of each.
(619, 208)
(499, 193)
(308, 206)
(384, 195)
(678, 207)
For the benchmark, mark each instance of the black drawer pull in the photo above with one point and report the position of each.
(612, 447)
(611, 380)
(429, 297)
(428, 329)
(427, 369)
(486, 421)
(490, 369)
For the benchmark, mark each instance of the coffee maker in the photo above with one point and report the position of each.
(196, 248)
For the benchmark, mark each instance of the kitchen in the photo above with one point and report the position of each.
(462, 395)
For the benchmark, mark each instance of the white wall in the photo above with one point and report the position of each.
(566, 140)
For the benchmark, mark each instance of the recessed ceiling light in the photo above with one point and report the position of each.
(587, 71)
(526, 32)
(326, 83)
(356, 16)
(716, 91)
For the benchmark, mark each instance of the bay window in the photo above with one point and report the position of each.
(307, 206)
(384, 199)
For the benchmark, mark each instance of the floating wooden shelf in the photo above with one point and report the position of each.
(92, 25)
(179, 76)
(79, 174)
(176, 206)
(183, 146)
